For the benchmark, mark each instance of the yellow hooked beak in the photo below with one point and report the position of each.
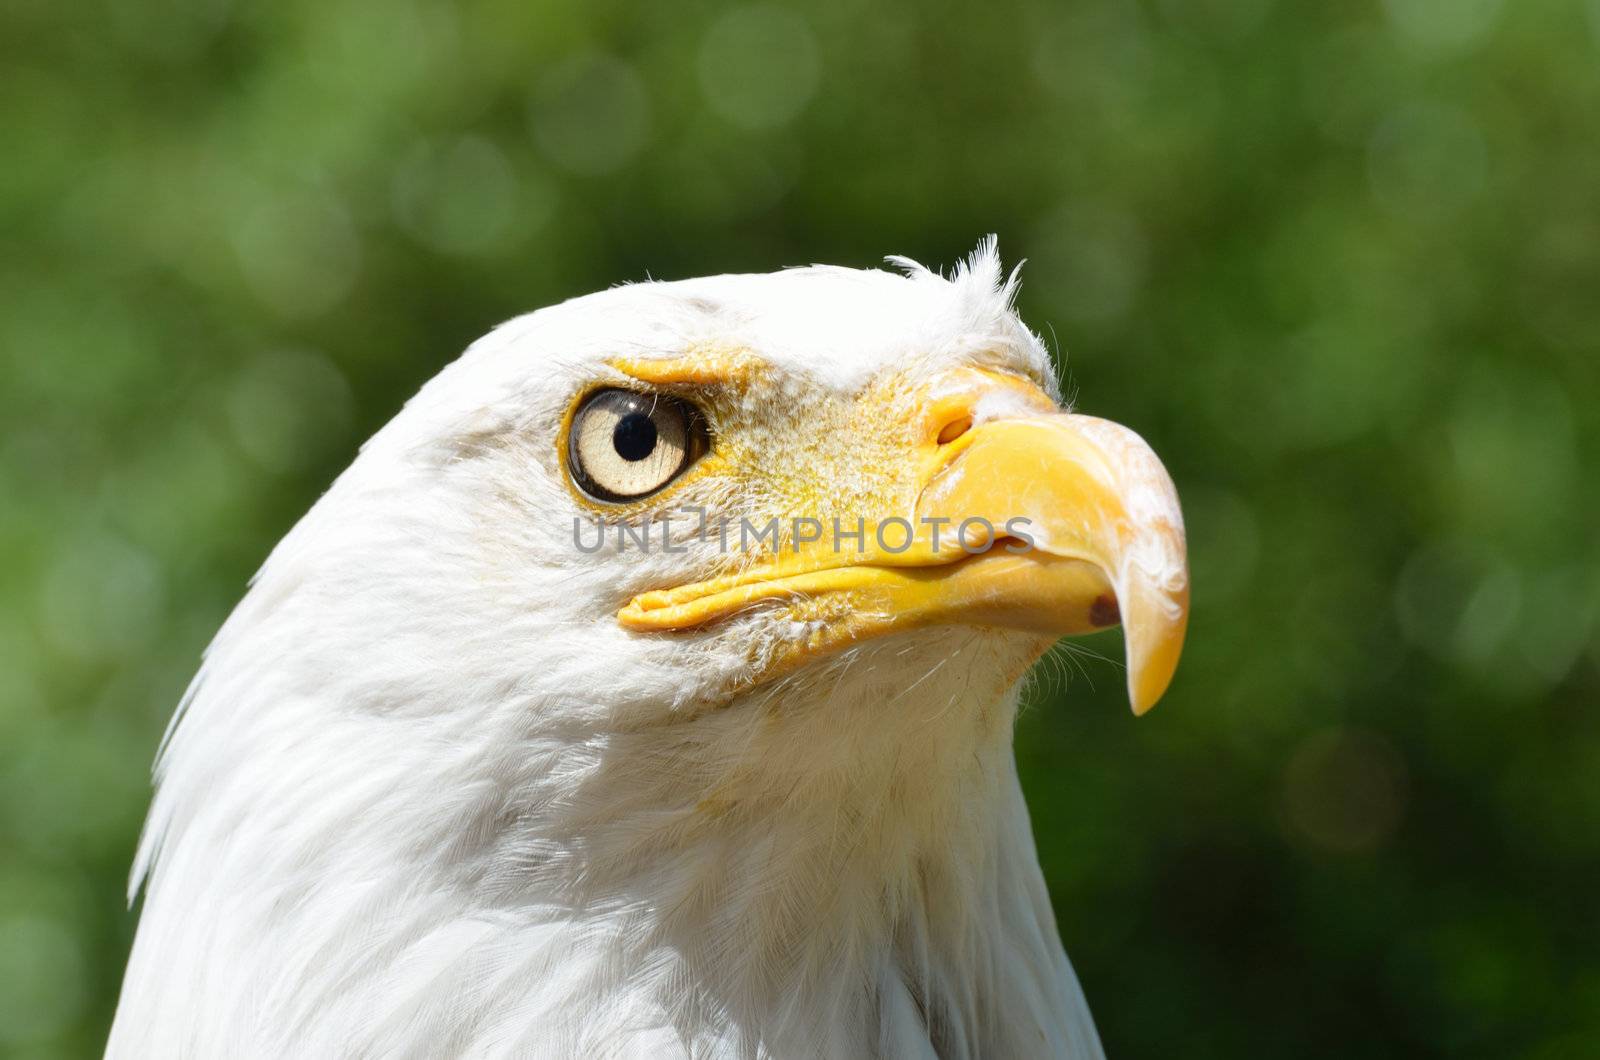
(1042, 521)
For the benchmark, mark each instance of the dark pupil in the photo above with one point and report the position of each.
(634, 436)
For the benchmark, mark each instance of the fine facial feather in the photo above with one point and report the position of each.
(426, 797)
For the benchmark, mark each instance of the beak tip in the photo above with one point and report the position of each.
(1154, 646)
(1142, 705)
(1142, 697)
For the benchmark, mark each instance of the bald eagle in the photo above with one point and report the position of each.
(645, 688)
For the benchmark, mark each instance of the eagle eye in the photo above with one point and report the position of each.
(624, 445)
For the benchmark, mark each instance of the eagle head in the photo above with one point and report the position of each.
(645, 687)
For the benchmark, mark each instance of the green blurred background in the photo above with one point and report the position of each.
(1340, 263)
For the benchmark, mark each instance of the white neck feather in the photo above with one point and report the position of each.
(757, 879)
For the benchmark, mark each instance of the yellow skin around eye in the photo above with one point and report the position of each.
(842, 456)
(834, 449)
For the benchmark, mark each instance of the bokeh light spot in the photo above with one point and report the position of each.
(1228, 20)
(169, 29)
(1344, 790)
(289, 408)
(1510, 438)
(463, 198)
(1224, 542)
(1426, 159)
(1443, 26)
(42, 982)
(1097, 256)
(102, 598)
(591, 114)
(1458, 601)
(758, 65)
(1559, 614)
(299, 251)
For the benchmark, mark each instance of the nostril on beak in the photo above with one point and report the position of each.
(1104, 611)
(954, 429)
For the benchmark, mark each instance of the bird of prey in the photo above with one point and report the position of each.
(618, 700)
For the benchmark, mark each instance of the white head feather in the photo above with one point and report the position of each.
(426, 797)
